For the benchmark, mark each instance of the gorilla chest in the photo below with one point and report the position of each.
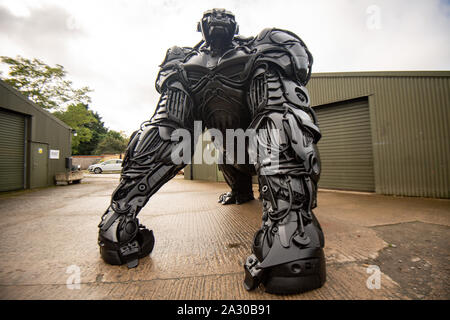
(232, 65)
(219, 86)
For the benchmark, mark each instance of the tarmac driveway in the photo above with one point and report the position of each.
(48, 245)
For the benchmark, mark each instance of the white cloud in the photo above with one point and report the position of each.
(115, 47)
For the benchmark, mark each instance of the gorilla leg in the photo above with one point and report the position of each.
(240, 182)
(147, 166)
(287, 250)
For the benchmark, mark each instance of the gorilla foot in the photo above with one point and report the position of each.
(127, 253)
(297, 276)
(235, 198)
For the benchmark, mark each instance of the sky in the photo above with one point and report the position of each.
(116, 46)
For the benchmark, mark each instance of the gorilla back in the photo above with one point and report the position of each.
(231, 82)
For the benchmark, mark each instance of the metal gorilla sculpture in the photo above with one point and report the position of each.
(231, 82)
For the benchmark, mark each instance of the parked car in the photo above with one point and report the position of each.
(109, 165)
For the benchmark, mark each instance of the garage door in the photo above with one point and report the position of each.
(346, 146)
(12, 143)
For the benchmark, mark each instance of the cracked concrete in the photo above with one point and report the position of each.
(417, 258)
(201, 245)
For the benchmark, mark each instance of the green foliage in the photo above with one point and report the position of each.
(112, 142)
(99, 131)
(43, 84)
(80, 118)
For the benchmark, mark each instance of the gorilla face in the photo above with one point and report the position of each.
(218, 25)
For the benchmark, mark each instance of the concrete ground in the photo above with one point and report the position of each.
(48, 239)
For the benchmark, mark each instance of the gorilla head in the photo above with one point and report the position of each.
(218, 28)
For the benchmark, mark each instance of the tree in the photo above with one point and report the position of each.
(79, 117)
(113, 142)
(99, 131)
(43, 84)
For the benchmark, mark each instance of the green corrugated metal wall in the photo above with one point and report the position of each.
(409, 122)
(12, 146)
(410, 116)
(346, 146)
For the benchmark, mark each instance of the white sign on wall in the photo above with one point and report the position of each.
(54, 154)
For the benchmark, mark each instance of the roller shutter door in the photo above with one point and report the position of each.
(346, 146)
(12, 143)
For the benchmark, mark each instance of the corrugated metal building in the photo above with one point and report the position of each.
(383, 132)
(34, 144)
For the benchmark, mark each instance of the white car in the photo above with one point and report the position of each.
(109, 165)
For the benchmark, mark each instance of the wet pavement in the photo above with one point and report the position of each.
(48, 244)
